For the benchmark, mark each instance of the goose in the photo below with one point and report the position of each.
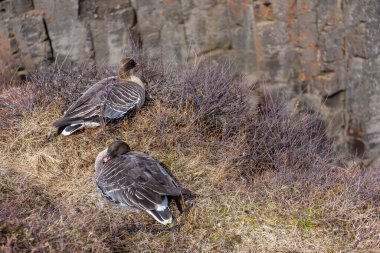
(136, 181)
(106, 100)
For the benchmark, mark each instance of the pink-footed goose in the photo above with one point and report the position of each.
(136, 181)
(106, 100)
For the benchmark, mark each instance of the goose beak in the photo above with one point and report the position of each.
(106, 158)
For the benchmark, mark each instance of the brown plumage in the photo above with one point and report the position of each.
(108, 99)
(137, 181)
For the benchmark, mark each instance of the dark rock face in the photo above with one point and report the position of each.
(326, 50)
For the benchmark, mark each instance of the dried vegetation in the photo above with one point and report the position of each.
(266, 179)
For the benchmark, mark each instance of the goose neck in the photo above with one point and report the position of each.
(124, 74)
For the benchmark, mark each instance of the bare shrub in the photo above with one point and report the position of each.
(216, 102)
(53, 84)
(67, 85)
(219, 98)
(287, 142)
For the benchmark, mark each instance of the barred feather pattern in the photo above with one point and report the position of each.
(137, 181)
(108, 99)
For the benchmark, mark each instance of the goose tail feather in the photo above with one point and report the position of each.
(71, 129)
(164, 217)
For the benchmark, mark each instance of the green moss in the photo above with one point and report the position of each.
(215, 236)
(308, 218)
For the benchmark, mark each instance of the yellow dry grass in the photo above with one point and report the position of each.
(49, 201)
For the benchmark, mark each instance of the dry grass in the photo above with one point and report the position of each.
(265, 181)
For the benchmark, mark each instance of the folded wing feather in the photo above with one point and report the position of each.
(136, 180)
(108, 99)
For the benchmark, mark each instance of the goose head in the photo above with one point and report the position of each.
(127, 64)
(115, 149)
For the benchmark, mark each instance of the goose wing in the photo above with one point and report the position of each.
(88, 105)
(122, 98)
(108, 98)
(136, 180)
